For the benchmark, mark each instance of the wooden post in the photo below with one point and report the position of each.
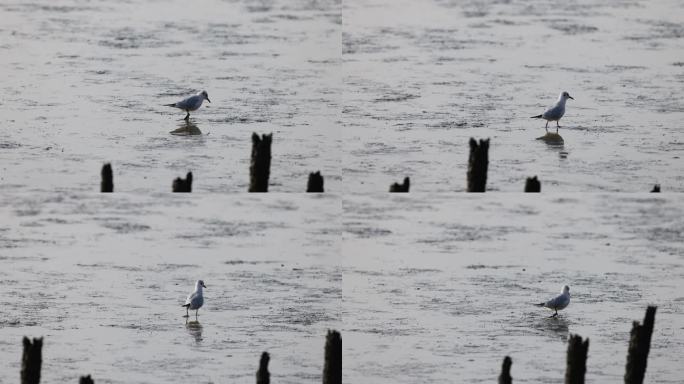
(477, 165)
(656, 188)
(315, 183)
(532, 184)
(639, 345)
(262, 375)
(332, 370)
(396, 187)
(180, 185)
(86, 380)
(31, 360)
(505, 377)
(577, 360)
(107, 184)
(260, 165)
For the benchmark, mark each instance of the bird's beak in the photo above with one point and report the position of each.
(208, 99)
(204, 285)
(570, 97)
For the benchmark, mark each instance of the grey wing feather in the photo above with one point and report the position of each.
(194, 301)
(554, 113)
(190, 298)
(557, 302)
(190, 103)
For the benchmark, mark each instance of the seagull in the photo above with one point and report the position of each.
(556, 111)
(191, 103)
(195, 299)
(559, 302)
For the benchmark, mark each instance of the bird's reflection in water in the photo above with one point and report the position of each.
(194, 329)
(556, 327)
(186, 128)
(555, 142)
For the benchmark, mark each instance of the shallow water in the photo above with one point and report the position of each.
(422, 77)
(103, 280)
(84, 84)
(438, 289)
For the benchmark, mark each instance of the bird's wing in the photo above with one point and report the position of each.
(188, 103)
(190, 298)
(553, 113)
(555, 302)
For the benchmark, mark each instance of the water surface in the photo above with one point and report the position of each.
(102, 279)
(438, 289)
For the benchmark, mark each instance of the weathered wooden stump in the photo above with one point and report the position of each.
(656, 188)
(577, 360)
(532, 184)
(332, 370)
(478, 162)
(180, 185)
(31, 360)
(86, 380)
(396, 187)
(262, 375)
(107, 184)
(639, 345)
(315, 183)
(505, 377)
(260, 165)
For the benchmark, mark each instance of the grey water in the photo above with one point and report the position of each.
(439, 289)
(102, 279)
(85, 83)
(422, 77)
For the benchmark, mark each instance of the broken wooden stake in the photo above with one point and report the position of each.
(315, 183)
(532, 184)
(332, 370)
(262, 375)
(260, 165)
(396, 187)
(639, 346)
(478, 162)
(181, 185)
(107, 184)
(577, 360)
(505, 377)
(31, 360)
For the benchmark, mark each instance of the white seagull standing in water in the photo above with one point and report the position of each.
(556, 111)
(191, 103)
(559, 302)
(195, 299)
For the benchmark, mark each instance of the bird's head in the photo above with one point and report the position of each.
(206, 96)
(201, 283)
(566, 289)
(566, 96)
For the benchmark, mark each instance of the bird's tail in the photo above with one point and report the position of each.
(536, 117)
(540, 304)
(174, 104)
(185, 305)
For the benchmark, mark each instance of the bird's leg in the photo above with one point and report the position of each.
(196, 312)
(187, 116)
(557, 126)
(186, 312)
(547, 126)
